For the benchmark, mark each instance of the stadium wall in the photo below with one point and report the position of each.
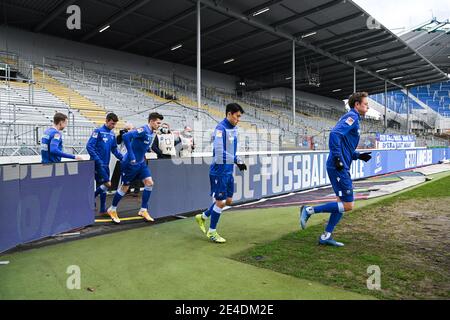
(42, 200)
(35, 46)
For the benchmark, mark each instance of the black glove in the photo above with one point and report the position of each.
(365, 156)
(338, 163)
(242, 166)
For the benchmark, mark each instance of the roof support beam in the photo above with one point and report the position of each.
(286, 55)
(216, 27)
(162, 26)
(329, 24)
(249, 51)
(285, 35)
(347, 47)
(61, 7)
(274, 25)
(121, 13)
(307, 13)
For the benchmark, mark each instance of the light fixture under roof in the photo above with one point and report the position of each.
(261, 11)
(178, 46)
(361, 60)
(397, 78)
(381, 70)
(228, 61)
(104, 28)
(337, 90)
(308, 34)
(288, 78)
(410, 84)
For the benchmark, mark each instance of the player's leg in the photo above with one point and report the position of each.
(128, 173)
(106, 184)
(99, 180)
(219, 192)
(342, 186)
(212, 234)
(345, 205)
(202, 217)
(225, 197)
(335, 217)
(148, 187)
(307, 211)
(344, 193)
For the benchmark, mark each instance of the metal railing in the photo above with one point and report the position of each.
(86, 74)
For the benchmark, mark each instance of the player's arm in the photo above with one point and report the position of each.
(237, 160)
(355, 155)
(177, 140)
(342, 128)
(127, 138)
(222, 155)
(155, 146)
(116, 151)
(54, 143)
(91, 147)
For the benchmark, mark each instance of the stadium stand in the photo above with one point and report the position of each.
(436, 96)
(87, 81)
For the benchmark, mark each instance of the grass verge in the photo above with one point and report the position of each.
(406, 236)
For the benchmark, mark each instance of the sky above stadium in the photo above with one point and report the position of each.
(401, 15)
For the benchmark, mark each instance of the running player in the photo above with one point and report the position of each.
(133, 166)
(52, 141)
(99, 146)
(221, 170)
(344, 139)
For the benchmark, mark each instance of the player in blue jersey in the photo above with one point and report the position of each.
(221, 170)
(52, 141)
(134, 167)
(344, 139)
(100, 146)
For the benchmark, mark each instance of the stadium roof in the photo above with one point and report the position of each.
(254, 36)
(432, 40)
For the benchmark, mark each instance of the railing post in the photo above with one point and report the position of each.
(36, 132)
(14, 120)
(43, 72)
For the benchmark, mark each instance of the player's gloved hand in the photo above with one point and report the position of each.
(338, 163)
(242, 166)
(365, 156)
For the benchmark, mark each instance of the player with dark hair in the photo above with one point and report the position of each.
(52, 141)
(133, 165)
(344, 139)
(221, 170)
(100, 146)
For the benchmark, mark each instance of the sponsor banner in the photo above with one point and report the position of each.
(41, 200)
(274, 175)
(395, 141)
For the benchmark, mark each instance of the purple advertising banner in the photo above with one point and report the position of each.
(45, 200)
(38, 200)
(9, 206)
